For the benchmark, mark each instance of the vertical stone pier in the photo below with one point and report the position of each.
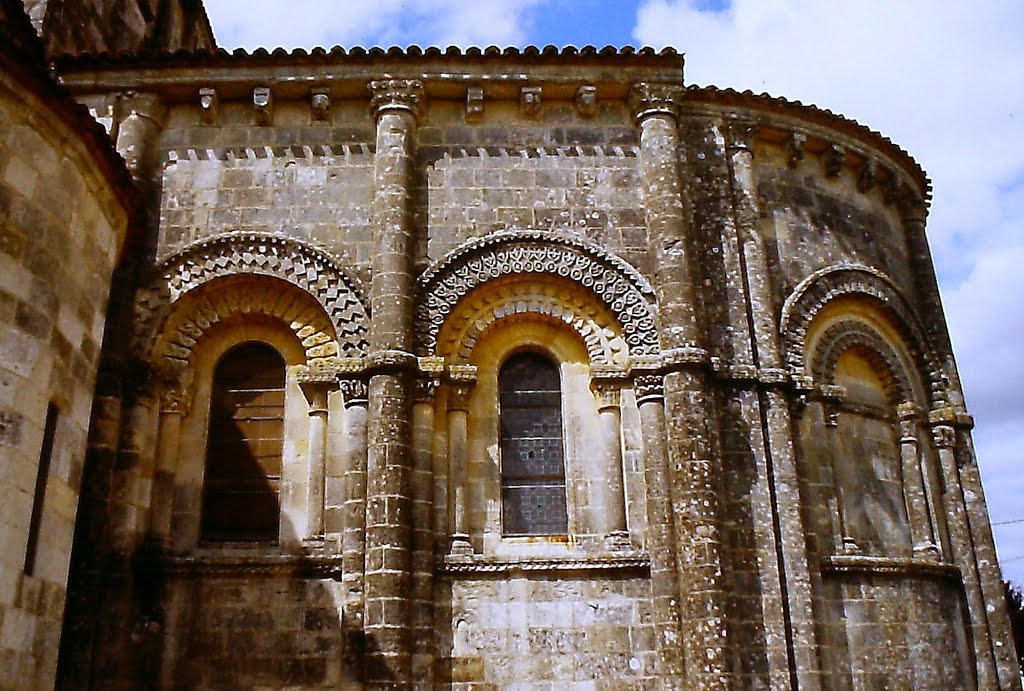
(693, 473)
(395, 104)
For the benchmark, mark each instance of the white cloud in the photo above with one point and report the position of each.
(310, 23)
(942, 79)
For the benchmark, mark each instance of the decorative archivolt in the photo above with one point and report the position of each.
(856, 280)
(844, 335)
(249, 297)
(254, 254)
(617, 285)
(556, 299)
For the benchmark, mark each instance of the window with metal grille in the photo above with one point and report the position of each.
(532, 465)
(243, 458)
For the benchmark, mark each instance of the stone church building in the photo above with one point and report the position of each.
(466, 369)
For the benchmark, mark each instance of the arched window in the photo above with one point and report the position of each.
(243, 459)
(532, 465)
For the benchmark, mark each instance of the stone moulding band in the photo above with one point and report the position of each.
(618, 285)
(265, 565)
(484, 565)
(888, 566)
(308, 268)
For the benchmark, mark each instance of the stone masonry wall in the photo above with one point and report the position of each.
(549, 632)
(60, 234)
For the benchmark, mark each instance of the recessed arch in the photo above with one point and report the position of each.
(873, 287)
(306, 268)
(551, 297)
(840, 337)
(241, 297)
(532, 254)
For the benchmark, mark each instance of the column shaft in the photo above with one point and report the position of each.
(423, 538)
(317, 470)
(354, 528)
(963, 553)
(388, 564)
(611, 505)
(661, 536)
(694, 474)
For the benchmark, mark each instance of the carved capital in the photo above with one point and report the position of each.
(427, 383)
(739, 134)
(461, 380)
(913, 209)
(648, 387)
(648, 100)
(397, 94)
(354, 391)
(175, 389)
(909, 414)
(943, 437)
(607, 392)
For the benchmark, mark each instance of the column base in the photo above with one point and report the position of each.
(460, 548)
(849, 546)
(618, 541)
(927, 550)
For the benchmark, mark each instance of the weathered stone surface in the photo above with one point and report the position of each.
(766, 464)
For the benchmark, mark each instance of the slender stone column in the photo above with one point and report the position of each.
(610, 500)
(944, 439)
(694, 474)
(388, 572)
(843, 541)
(174, 403)
(462, 380)
(913, 483)
(354, 530)
(423, 532)
(661, 536)
(316, 392)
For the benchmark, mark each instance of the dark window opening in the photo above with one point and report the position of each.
(241, 486)
(532, 464)
(42, 476)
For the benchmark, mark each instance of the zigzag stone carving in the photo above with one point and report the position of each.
(308, 268)
(823, 286)
(617, 284)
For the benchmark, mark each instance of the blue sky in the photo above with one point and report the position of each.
(942, 78)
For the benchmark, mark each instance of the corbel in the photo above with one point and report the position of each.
(795, 149)
(529, 101)
(474, 104)
(833, 158)
(868, 177)
(209, 106)
(586, 101)
(320, 105)
(263, 104)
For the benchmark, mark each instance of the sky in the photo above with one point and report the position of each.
(942, 78)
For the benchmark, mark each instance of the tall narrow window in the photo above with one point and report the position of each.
(42, 475)
(532, 466)
(243, 458)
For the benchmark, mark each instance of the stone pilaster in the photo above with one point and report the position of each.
(787, 566)
(694, 474)
(661, 540)
(396, 104)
